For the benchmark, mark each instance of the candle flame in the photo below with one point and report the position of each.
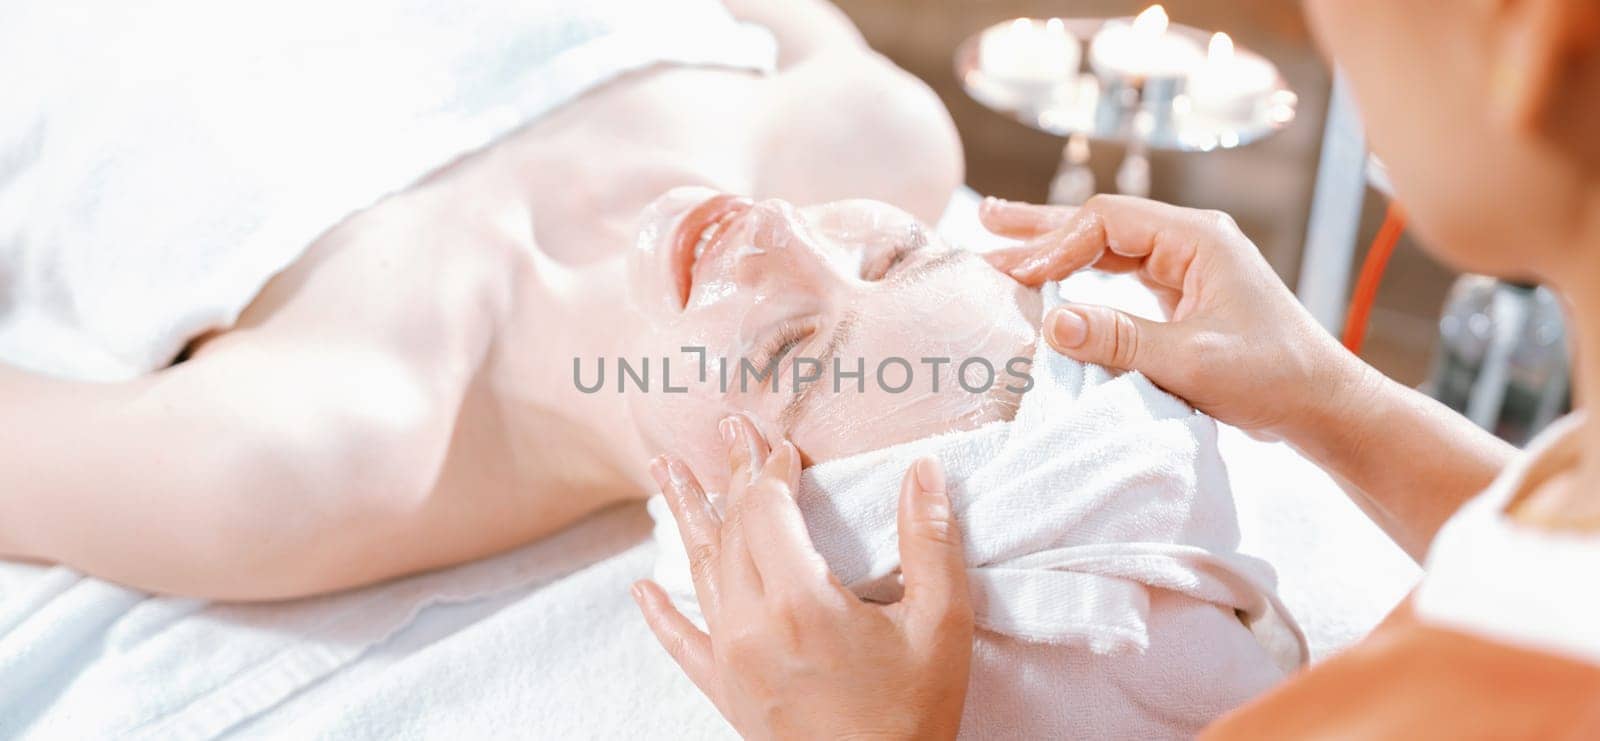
(1221, 49)
(1022, 25)
(1055, 26)
(1152, 22)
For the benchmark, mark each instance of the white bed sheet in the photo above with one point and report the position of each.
(540, 642)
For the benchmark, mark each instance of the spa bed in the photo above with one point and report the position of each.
(543, 641)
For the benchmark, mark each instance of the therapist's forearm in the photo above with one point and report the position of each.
(1408, 460)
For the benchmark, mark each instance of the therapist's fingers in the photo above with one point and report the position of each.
(777, 534)
(1165, 239)
(1006, 258)
(1105, 336)
(740, 581)
(747, 451)
(1065, 251)
(932, 560)
(698, 525)
(1117, 234)
(689, 646)
(1079, 243)
(1021, 220)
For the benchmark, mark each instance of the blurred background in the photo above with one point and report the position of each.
(1267, 186)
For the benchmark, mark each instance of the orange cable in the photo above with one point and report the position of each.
(1366, 291)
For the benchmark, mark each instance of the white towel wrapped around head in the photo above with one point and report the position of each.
(1100, 540)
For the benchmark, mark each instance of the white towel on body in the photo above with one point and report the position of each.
(1100, 536)
(161, 160)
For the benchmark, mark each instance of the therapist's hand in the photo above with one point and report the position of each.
(1237, 345)
(791, 653)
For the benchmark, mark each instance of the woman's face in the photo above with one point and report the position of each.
(725, 290)
(1431, 78)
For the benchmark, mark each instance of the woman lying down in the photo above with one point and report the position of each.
(499, 350)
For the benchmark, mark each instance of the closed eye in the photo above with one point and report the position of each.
(915, 239)
(894, 259)
(787, 338)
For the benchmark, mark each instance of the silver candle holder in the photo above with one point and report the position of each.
(1143, 112)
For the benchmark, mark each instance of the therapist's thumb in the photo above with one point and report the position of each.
(1104, 336)
(931, 557)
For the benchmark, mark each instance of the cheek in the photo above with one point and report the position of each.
(681, 421)
(912, 389)
(1433, 143)
(684, 425)
(970, 313)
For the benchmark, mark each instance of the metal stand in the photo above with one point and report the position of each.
(1143, 114)
(1329, 254)
(1074, 180)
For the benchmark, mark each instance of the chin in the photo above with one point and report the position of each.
(1465, 249)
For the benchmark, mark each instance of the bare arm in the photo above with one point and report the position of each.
(286, 455)
(1406, 459)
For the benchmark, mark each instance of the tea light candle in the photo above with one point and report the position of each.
(1230, 82)
(1144, 49)
(1030, 52)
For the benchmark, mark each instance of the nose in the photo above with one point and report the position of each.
(776, 225)
(787, 249)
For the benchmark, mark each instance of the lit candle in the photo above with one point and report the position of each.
(1030, 52)
(1231, 82)
(1144, 49)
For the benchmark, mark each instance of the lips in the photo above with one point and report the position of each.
(712, 218)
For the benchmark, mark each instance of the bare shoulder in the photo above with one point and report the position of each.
(848, 123)
(802, 27)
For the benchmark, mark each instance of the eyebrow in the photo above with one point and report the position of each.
(934, 264)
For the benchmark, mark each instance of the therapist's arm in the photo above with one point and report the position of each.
(1239, 347)
(1409, 461)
